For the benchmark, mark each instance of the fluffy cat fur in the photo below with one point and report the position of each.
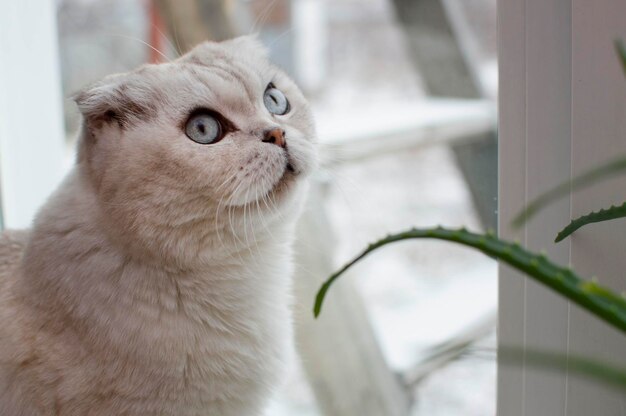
(155, 280)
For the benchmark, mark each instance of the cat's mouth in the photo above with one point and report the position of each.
(289, 167)
(277, 189)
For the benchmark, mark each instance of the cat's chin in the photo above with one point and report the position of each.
(282, 189)
(285, 184)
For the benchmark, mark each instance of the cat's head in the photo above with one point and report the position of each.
(213, 145)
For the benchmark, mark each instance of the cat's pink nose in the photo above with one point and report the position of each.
(275, 136)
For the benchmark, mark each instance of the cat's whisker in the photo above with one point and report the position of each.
(145, 43)
(219, 189)
(256, 203)
(255, 242)
(264, 199)
(226, 182)
(245, 228)
(175, 30)
(248, 223)
(230, 209)
(229, 238)
(270, 198)
(279, 37)
(260, 20)
(271, 206)
(219, 204)
(216, 222)
(337, 176)
(176, 49)
(262, 218)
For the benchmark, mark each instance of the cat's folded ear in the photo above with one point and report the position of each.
(116, 101)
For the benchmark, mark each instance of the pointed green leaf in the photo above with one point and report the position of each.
(598, 300)
(608, 214)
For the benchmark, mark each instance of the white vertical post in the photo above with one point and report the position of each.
(309, 21)
(31, 123)
(598, 134)
(548, 131)
(562, 101)
(511, 193)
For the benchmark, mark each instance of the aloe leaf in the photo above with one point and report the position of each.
(621, 52)
(598, 300)
(588, 178)
(608, 214)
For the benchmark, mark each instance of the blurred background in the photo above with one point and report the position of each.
(404, 96)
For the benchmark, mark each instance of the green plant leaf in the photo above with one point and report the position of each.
(621, 52)
(608, 214)
(598, 300)
(588, 178)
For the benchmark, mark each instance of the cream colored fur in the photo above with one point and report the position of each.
(155, 280)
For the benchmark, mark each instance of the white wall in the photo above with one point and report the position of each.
(562, 111)
(31, 129)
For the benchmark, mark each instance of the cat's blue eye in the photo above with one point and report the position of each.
(275, 101)
(203, 128)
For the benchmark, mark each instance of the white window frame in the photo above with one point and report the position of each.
(32, 142)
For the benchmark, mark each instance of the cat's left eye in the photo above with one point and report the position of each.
(203, 128)
(275, 101)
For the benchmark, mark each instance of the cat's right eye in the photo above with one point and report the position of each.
(203, 128)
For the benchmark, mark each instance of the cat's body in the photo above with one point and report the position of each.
(151, 283)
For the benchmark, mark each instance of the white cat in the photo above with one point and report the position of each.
(155, 280)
